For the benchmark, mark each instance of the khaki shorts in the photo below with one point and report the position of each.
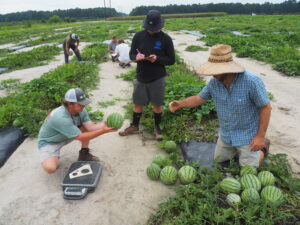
(226, 152)
(52, 150)
(144, 93)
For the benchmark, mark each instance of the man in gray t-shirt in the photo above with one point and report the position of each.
(64, 124)
(111, 48)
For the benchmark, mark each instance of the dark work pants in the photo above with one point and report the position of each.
(77, 53)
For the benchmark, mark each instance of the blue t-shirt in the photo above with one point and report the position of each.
(60, 126)
(238, 108)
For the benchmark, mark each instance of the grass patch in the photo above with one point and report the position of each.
(195, 48)
(10, 85)
(129, 76)
(36, 57)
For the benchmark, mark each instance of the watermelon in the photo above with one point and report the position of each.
(230, 185)
(248, 170)
(250, 181)
(17, 123)
(159, 159)
(187, 174)
(272, 194)
(233, 199)
(170, 146)
(162, 160)
(153, 171)
(266, 178)
(115, 120)
(250, 195)
(168, 175)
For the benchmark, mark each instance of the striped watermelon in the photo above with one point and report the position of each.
(266, 178)
(170, 146)
(160, 159)
(248, 170)
(153, 171)
(272, 195)
(250, 195)
(187, 174)
(115, 120)
(168, 175)
(230, 185)
(250, 181)
(233, 199)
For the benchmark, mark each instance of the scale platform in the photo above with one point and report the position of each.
(81, 179)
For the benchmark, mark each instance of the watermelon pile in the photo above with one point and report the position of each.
(252, 188)
(161, 169)
(115, 120)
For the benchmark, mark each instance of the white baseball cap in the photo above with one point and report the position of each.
(74, 36)
(77, 95)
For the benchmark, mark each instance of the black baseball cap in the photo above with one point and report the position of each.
(153, 21)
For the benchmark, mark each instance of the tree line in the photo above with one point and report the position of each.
(76, 13)
(286, 7)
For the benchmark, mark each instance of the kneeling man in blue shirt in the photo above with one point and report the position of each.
(242, 105)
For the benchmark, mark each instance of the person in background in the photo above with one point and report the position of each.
(111, 48)
(122, 51)
(71, 41)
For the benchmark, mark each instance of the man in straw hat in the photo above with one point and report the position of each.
(152, 49)
(242, 105)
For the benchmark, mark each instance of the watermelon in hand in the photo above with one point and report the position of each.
(115, 120)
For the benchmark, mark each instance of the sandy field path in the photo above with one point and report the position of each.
(124, 196)
(284, 126)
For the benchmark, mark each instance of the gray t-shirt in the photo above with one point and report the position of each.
(61, 126)
(112, 46)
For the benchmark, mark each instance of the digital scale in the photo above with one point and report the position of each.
(81, 179)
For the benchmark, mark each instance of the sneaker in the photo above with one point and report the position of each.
(132, 129)
(157, 133)
(85, 155)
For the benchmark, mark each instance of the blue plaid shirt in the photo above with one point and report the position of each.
(238, 108)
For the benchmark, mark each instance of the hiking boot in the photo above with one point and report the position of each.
(85, 155)
(157, 133)
(265, 149)
(132, 129)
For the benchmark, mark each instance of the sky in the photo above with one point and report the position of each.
(8, 6)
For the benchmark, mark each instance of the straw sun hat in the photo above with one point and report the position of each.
(220, 62)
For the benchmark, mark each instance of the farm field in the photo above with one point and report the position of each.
(266, 45)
